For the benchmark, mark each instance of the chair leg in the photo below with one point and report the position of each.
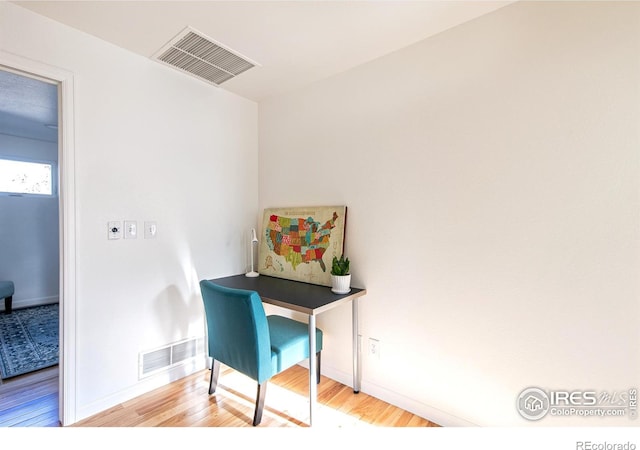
(262, 392)
(7, 304)
(215, 371)
(318, 366)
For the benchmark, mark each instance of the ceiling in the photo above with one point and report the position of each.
(295, 43)
(28, 107)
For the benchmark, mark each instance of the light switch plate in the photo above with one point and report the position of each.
(130, 229)
(150, 230)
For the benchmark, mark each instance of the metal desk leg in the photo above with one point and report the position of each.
(356, 347)
(313, 386)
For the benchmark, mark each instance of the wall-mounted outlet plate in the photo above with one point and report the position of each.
(374, 348)
(114, 230)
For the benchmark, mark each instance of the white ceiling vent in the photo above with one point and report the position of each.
(198, 55)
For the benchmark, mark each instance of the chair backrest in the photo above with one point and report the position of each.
(237, 329)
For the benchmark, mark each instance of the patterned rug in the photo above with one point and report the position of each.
(28, 340)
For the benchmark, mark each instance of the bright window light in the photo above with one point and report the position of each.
(24, 177)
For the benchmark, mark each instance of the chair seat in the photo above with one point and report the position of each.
(6, 289)
(289, 342)
(241, 336)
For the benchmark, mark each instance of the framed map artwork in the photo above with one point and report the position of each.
(299, 243)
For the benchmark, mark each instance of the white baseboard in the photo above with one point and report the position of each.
(142, 387)
(425, 411)
(29, 302)
(435, 415)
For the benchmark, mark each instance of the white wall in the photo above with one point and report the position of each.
(29, 232)
(491, 175)
(150, 144)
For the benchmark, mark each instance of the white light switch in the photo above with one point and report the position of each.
(130, 229)
(114, 230)
(150, 230)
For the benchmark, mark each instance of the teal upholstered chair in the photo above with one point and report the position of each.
(6, 292)
(241, 336)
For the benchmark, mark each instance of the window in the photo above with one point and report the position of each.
(26, 177)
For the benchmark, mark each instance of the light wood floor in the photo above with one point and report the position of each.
(186, 403)
(30, 400)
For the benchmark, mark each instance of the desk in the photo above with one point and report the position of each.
(310, 299)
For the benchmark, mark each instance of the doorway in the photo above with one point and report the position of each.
(29, 235)
(63, 80)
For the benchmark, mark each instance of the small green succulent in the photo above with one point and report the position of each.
(340, 266)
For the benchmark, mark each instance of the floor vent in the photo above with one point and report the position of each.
(194, 53)
(164, 358)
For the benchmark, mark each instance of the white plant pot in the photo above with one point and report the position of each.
(341, 284)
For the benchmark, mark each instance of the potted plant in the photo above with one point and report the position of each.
(340, 276)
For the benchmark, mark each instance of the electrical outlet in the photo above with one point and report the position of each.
(374, 348)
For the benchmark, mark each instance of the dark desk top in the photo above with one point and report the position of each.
(295, 295)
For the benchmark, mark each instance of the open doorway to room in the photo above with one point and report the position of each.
(30, 247)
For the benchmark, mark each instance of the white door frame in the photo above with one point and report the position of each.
(67, 217)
